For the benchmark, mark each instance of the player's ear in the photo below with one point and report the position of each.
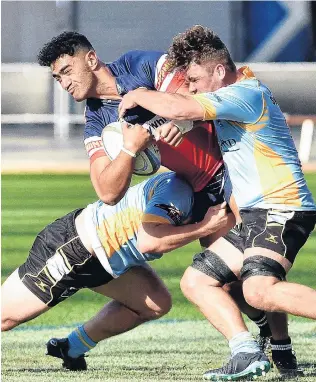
(92, 59)
(220, 71)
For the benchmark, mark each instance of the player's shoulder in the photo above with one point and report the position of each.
(170, 182)
(134, 59)
(101, 108)
(246, 89)
(143, 55)
(98, 114)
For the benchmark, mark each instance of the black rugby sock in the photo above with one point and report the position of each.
(263, 325)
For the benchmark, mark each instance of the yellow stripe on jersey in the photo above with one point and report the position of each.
(277, 181)
(117, 229)
(150, 218)
(207, 106)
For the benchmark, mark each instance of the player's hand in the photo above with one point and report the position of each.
(135, 137)
(170, 134)
(215, 218)
(127, 103)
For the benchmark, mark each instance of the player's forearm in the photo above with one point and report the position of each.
(112, 183)
(172, 106)
(165, 238)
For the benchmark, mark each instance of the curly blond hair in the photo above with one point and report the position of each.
(200, 45)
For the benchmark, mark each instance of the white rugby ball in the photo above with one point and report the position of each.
(147, 162)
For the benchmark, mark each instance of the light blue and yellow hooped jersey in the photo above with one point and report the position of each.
(164, 198)
(257, 147)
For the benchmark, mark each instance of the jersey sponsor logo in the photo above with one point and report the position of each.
(155, 123)
(173, 212)
(229, 145)
(93, 145)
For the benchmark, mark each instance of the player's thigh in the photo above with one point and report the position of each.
(273, 239)
(18, 303)
(227, 249)
(139, 288)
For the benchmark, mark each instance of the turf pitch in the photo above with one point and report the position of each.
(179, 347)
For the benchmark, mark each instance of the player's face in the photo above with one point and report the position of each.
(75, 75)
(203, 78)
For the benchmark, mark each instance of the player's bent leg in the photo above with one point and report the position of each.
(202, 284)
(257, 316)
(273, 337)
(18, 303)
(265, 287)
(272, 243)
(139, 295)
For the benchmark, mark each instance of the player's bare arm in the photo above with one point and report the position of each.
(111, 179)
(172, 106)
(162, 238)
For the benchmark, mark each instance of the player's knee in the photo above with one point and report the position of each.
(157, 307)
(195, 284)
(164, 305)
(253, 294)
(257, 294)
(188, 283)
(211, 265)
(259, 274)
(7, 323)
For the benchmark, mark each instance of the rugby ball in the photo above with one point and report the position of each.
(147, 162)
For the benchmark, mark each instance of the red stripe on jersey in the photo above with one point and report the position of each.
(97, 155)
(198, 156)
(162, 74)
(177, 80)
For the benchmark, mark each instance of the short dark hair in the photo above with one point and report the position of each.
(200, 45)
(65, 43)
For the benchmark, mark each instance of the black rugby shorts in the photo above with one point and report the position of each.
(59, 265)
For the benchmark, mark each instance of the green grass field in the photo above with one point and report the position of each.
(179, 347)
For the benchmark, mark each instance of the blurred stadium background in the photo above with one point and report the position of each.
(42, 127)
(42, 131)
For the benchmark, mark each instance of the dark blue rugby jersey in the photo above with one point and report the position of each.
(196, 159)
(132, 70)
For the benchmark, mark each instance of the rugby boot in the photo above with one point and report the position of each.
(240, 366)
(58, 347)
(265, 346)
(284, 359)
